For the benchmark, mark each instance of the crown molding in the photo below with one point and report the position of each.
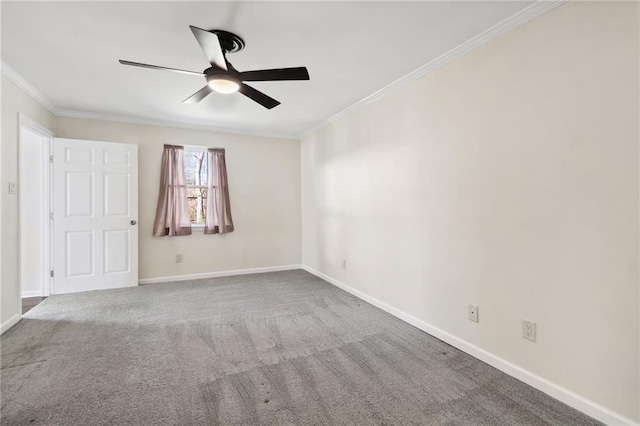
(528, 14)
(516, 20)
(11, 75)
(172, 124)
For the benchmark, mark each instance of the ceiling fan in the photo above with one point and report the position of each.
(222, 77)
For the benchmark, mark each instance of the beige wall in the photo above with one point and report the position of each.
(264, 177)
(264, 180)
(508, 179)
(14, 101)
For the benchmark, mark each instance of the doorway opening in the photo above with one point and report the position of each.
(34, 217)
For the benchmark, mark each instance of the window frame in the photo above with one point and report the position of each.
(197, 148)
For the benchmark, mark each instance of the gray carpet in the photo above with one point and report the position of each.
(277, 348)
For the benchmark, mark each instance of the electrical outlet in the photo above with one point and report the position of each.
(178, 258)
(473, 313)
(13, 188)
(344, 264)
(529, 330)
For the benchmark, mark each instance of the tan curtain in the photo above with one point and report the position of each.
(218, 216)
(172, 213)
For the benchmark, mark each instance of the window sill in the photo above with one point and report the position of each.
(197, 227)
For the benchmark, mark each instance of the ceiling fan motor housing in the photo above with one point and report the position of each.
(215, 73)
(229, 42)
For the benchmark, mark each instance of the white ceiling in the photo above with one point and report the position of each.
(69, 51)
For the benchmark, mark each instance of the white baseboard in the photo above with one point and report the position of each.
(10, 323)
(217, 274)
(566, 396)
(32, 293)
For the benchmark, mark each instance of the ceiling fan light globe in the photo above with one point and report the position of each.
(225, 86)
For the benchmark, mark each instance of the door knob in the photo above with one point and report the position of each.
(133, 222)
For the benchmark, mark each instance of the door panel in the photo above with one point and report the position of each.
(121, 158)
(117, 192)
(80, 260)
(79, 155)
(116, 251)
(95, 213)
(79, 194)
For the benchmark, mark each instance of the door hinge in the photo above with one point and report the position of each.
(51, 216)
(51, 273)
(51, 158)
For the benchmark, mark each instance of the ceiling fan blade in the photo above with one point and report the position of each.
(264, 100)
(156, 67)
(299, 73)
(198, 96)
(210, 45)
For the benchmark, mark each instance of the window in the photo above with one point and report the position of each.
(195, 171)
(185, 198)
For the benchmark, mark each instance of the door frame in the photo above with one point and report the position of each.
(25, 122)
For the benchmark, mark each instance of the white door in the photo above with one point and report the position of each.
(95, 213)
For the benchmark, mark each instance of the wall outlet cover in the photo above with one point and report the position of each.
(529, 330)
(179, 258)
(473, 313)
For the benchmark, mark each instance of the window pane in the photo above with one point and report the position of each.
(203, 170)
(197, 198)
(195, 167)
